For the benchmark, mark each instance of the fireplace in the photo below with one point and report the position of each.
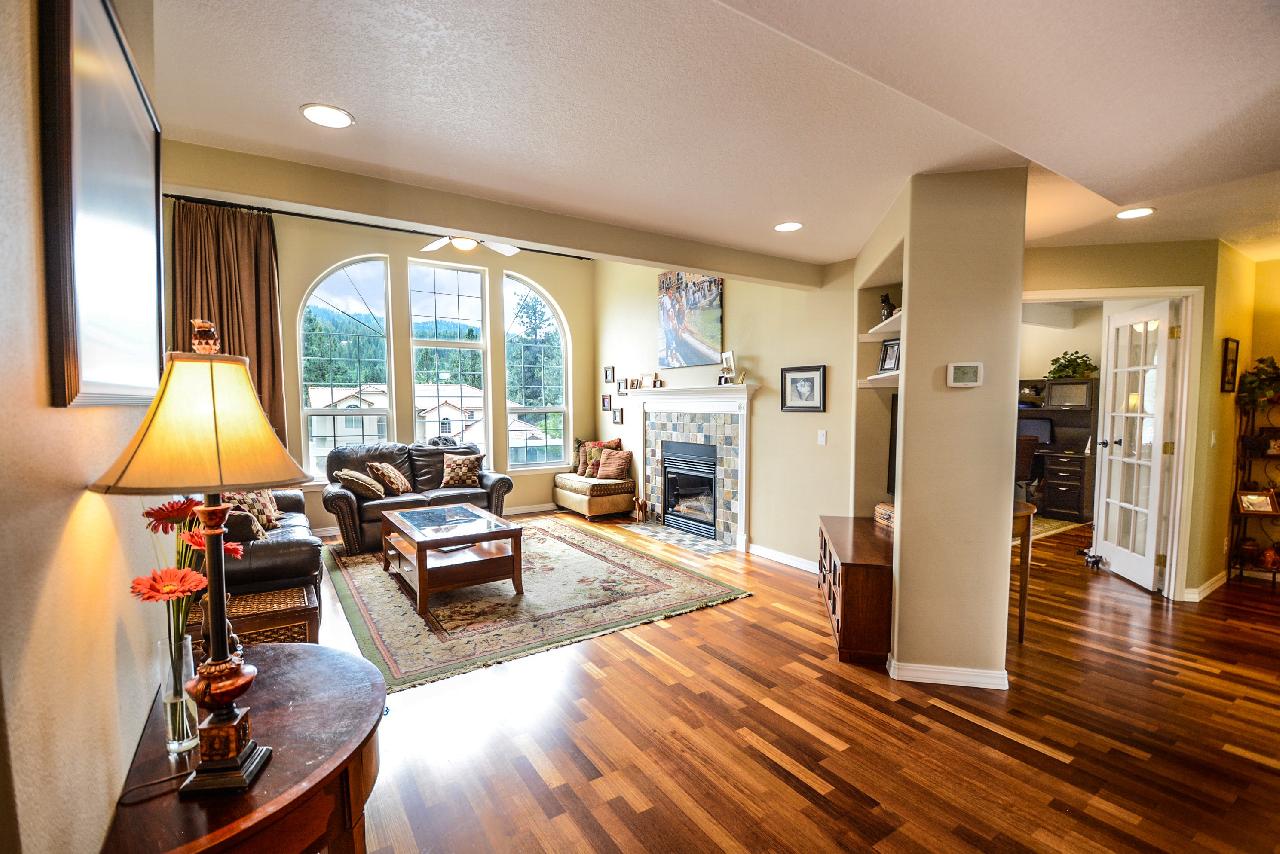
(689, 487)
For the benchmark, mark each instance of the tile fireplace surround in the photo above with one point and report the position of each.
(712, 415)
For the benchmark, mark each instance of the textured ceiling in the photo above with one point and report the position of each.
(691, 118)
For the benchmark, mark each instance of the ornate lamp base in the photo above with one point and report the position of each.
(230, 759)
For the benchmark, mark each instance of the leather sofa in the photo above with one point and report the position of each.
(288, 557)
(360, 519)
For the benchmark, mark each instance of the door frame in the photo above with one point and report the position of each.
(1183, 470)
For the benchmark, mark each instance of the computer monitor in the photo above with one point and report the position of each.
(1041, 428)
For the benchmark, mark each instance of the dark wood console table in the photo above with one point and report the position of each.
(318, 709)
(855, 575)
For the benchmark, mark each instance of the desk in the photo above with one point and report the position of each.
(318, 709)
(1023, 513)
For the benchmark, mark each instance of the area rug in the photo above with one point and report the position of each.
(1042, 527)
(576, 586)
(692, 542)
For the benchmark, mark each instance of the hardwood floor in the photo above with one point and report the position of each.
(1130, 724)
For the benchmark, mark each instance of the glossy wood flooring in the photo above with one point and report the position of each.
(1131, 724)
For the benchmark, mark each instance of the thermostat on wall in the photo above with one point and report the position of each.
(964, 374)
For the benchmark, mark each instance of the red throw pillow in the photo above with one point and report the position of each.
(584, 457)
(615, 465)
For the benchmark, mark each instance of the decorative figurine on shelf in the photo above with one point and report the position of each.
(887, 308)
(1269, 559)
(204, 338)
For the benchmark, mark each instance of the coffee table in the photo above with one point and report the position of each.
(431, 549)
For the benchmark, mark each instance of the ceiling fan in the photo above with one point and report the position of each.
(466, 244)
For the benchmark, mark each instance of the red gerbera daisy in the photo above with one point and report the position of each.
(166, 584)
(195, 539)
(163, 518)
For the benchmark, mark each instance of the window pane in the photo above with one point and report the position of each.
(448, 394)
(344, 356)
(535, 376)
(445, 304)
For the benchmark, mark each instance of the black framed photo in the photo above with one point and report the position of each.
(1269, 442)
(1230, 363)
(622, 388)
(804, 389)
(890, 355)
(617, 416)
(100, 153)
(606, 402)
(608, 374)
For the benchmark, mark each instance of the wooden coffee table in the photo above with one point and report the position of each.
(431, 549)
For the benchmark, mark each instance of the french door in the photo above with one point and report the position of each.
(1130, 442)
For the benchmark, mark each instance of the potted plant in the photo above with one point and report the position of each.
(1071, 365)
(1260, 384)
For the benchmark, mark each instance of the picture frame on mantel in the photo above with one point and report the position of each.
(100, 162)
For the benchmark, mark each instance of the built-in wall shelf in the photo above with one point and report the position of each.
(884, 330)
(888, 379)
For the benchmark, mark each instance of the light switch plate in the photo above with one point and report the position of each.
(822, 437)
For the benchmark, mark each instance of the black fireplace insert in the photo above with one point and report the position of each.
(689, 488)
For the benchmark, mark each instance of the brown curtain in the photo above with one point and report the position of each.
(224, 270)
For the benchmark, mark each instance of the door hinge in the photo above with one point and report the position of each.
(1175, 333)
(1162, 561)
(1168, 447)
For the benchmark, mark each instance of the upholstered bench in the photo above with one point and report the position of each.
(594, 496)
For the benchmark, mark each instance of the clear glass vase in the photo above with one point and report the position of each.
(180, 720)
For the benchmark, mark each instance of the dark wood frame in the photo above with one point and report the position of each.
(821, 404)
(890, 355)
(1269, 493)
(57, 132)
(1267, 435)
(1230, 364)
(608, 374)
(606, 402)
(617, 416)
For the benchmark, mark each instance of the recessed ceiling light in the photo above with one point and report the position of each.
(466, 244)
(327, 116)
(1135, 213)
(788, 226)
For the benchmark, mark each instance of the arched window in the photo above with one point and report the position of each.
(344, 359)
(535, 343)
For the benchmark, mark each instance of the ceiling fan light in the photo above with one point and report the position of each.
(466, 244)
(502, 248)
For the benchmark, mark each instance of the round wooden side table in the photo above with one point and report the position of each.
(318, 709)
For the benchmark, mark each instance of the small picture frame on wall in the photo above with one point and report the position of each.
(633, 383)
(606, 402)
(608, 374)
(648, 380)
(890, 355)
(622, 388)
(804, 389)
(1230, 364)
(617, 416)
(1260, 501)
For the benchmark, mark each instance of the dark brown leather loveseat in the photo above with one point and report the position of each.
(288, 557)
(360, 519)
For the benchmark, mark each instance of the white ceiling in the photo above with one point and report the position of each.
(689, 118)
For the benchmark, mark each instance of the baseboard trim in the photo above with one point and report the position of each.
(532, 508)
(1199, 594)
(783, 557)
(325, 532)
(965, 676)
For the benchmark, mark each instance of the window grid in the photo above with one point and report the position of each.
(535, 357)
(447, 310)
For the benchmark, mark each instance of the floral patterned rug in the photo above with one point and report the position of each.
(576, 586)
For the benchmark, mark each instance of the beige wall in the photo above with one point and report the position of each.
(768, 326)
(77, 652)
(309, 248)
(962, 301)
(1226, 278)
(1039, 344)
(1266, 318)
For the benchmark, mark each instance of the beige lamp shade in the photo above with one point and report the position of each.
(205, 432)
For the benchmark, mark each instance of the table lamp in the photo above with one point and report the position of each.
(206, 432)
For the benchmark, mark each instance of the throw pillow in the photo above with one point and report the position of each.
(390, 477)
(242, 527)
(585, 466)
(360, 484)
(614, 465)
(462, 471)
(259, 503)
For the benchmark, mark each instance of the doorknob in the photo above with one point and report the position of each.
(1104, 443)
(1117, 442)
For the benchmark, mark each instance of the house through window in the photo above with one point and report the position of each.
(447, 308)
(535, 345)
(344, 360)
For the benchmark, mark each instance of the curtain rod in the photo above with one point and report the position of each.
(276, 212)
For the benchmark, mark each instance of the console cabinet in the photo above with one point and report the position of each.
(855, 577)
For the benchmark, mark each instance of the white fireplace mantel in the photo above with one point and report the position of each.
(703, 399)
